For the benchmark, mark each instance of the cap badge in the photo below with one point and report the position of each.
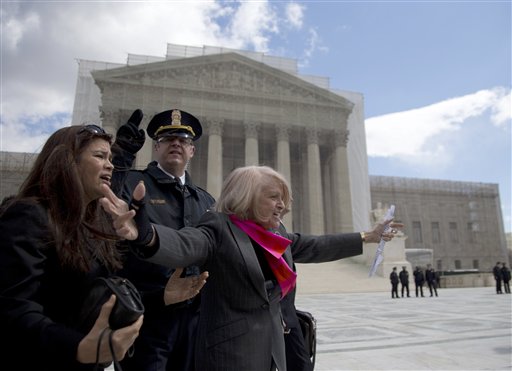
(176, 117)
(175, 124)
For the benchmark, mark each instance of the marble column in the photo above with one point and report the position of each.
(283, 164)
(251, 143)
(342, 192)
(215, 176)
(109, 121)
(145, 154)
(316, 205)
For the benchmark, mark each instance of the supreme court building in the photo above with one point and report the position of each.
(255, 110)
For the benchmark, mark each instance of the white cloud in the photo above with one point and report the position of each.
(41, 41)
(253, 21)
(314, 43)
(15, 29)
(38, 101)
(411, 135)
(28, 133)
(502, 110)
(295, 14)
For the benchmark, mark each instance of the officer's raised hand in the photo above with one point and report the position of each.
(129, 140)
(129, 137)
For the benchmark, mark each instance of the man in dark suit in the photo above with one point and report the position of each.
(498, 277)
(419, 280)
(404, 280)
(431, 277)
(505, 274)
(393, 278)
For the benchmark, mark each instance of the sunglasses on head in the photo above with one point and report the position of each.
(92, 129)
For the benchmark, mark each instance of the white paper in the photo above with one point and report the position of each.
(380, 248)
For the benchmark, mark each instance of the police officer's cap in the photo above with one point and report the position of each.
(174, 122)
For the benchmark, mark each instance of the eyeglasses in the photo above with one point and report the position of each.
(92, 129)
(168, 139)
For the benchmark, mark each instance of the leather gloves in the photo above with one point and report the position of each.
(142, 221)
(129, 137)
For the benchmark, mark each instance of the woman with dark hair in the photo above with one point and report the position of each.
(55, 240)
(249, 265)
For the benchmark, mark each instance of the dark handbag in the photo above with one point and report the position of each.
(308, 326)
(127, 309)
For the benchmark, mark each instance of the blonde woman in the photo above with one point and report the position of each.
(240, 326)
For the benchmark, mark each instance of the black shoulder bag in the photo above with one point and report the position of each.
(127, 309)
(308, 326)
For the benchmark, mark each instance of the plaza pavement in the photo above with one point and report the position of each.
(361, 328)
(461, 329)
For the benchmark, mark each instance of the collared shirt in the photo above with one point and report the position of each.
(182, 178)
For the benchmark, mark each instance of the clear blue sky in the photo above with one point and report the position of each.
(435, 75)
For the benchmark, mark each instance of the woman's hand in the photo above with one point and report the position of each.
(381, 231)
(179, 288)
(122, 339)
(122, 217)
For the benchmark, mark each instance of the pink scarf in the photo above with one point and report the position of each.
(273, 248)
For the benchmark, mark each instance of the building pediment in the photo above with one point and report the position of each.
(228, 74)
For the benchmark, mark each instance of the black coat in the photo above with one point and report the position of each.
(498, 274)
(393, 277)
(404, 277)
(419, 277)
(430, 275)
(170, 204)
(39, 300)
(505, 273)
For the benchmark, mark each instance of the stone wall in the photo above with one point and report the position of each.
(467, 280)
(461, 222)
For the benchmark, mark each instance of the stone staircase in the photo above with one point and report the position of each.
(341, 276)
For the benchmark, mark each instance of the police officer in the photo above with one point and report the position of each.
(505, 274)
(404, 280)
(419, 280)
(431, 277)
(498, 276)
(166, 341)
(393, 277)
